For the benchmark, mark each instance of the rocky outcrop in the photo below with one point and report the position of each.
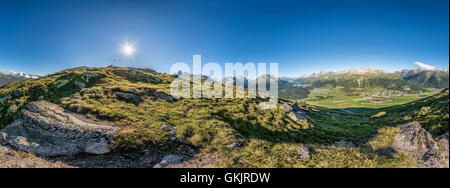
(286, 108)
(414, 141)
(47, 130)
(10, 158)
(88, 77)
(133, 97)
(299, 115)
(164, 96)
(294, 112)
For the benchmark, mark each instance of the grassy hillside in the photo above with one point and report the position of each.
(267, 138)
(290, 91)
(372, 89)
(432, 112)
(426, 78)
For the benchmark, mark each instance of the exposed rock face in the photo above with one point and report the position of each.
(129, 96)
(294, 112)
(62, 83)
(299, 115)
(164, 96)
(47, 130)
(80, 85)
(413, 140)
(418, 144)
(87, 77)
(286, 108)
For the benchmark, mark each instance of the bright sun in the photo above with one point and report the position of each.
(128, 49)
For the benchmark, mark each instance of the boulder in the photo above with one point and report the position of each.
(128, 96)
(294, 112)
(417, 143)
(413, 140)
(164, 96)
(47, 130)
(169, 159)
(97, 148)
(286, 108)
(304, 153)
(300, 115)
(296, 108)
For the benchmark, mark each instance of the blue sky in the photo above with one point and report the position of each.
(302, 36)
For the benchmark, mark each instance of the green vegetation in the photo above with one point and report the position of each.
(352, 83)
(270, 138)
(431, 112)
(385, 137)
(373, 98)
(426, 78)
(290, 91)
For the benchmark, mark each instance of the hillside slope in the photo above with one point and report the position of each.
(232, 132)
(426, 78)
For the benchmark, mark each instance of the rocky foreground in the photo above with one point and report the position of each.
(47, 136)
(415, 142)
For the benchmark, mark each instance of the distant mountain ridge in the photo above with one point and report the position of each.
(423, 78)
(357, 80)
(426, 78)
(11, 76)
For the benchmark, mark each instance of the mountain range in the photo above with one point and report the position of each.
(355, 81)
(11, 76)
(426, 78)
